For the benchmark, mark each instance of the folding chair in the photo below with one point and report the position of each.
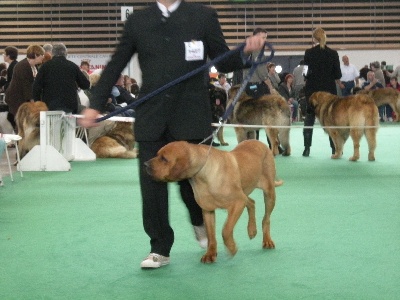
(5, 140)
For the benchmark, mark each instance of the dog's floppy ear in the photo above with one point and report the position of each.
(177, 155)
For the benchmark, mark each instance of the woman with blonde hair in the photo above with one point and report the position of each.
(323, 73)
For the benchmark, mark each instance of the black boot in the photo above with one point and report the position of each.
(307, 133)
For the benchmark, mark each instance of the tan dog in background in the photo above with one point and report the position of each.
(383, 96)
(116, 140)
(270, 110)
(28, 124)
(222, 179)
(355, 111)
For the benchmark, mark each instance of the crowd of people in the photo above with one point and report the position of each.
(182, 112)
(45, 74)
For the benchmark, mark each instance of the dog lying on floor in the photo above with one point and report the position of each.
(113, 140)
(250, 165)
(356, 110)
(28, 124)
(385, 96)
(270, 110)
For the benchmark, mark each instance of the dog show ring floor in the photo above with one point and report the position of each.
(79, 234)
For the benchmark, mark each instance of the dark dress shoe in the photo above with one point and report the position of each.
(306, 152)
(215, 144)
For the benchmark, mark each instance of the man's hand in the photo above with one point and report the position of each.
(254, 43)
(89, 117)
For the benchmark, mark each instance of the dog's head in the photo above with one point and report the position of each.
(172, 162)
(217, 96)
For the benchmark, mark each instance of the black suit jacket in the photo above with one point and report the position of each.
(183, 110)
(20, 88)
(57, 84)
(323, 70)
(10, 71)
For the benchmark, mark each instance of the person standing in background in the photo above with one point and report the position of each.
(222, 83)
(322, 75)
(298, 79)
(20, 88)
(10, 56)
(48, 49)
(350, 76)
(58, 80)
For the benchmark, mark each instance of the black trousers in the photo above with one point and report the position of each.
(308, 132)
(155, 201)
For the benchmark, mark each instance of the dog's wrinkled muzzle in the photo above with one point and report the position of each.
(148, 167)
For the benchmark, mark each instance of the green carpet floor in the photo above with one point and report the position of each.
(78, 234)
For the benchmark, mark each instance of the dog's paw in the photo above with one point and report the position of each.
(232, 250)
(353, 158)
(251, 231)
(268, 244)
(209, 258)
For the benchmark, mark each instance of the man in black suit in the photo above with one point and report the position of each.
(57, 82)
(322, 75)
(172, 38)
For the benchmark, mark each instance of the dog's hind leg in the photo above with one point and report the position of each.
(339, 141)
(269, 201)
(272, 134)
(356, 135)
(234, 212)
(284, 140)
(220, 136)
(370, 134)
(251, 226)
(396, 109)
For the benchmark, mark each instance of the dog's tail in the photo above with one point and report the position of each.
(278, 182)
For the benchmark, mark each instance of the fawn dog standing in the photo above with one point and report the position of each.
(352, 112)
(222, 179)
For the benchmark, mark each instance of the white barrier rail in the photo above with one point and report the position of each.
(58, 145)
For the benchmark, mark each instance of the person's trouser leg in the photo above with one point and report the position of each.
(155, 203)
(195, 211)
(308, 132)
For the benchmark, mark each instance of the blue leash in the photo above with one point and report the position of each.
(191, 74)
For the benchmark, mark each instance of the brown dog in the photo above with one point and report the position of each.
(27, 120)
(116, 141)
(386, 96)
(222, 180)
(355, 111)
(272, 110)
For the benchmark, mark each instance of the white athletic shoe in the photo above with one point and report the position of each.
(201, 235)
(154, 260)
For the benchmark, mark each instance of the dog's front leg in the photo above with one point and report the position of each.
(209, 221)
